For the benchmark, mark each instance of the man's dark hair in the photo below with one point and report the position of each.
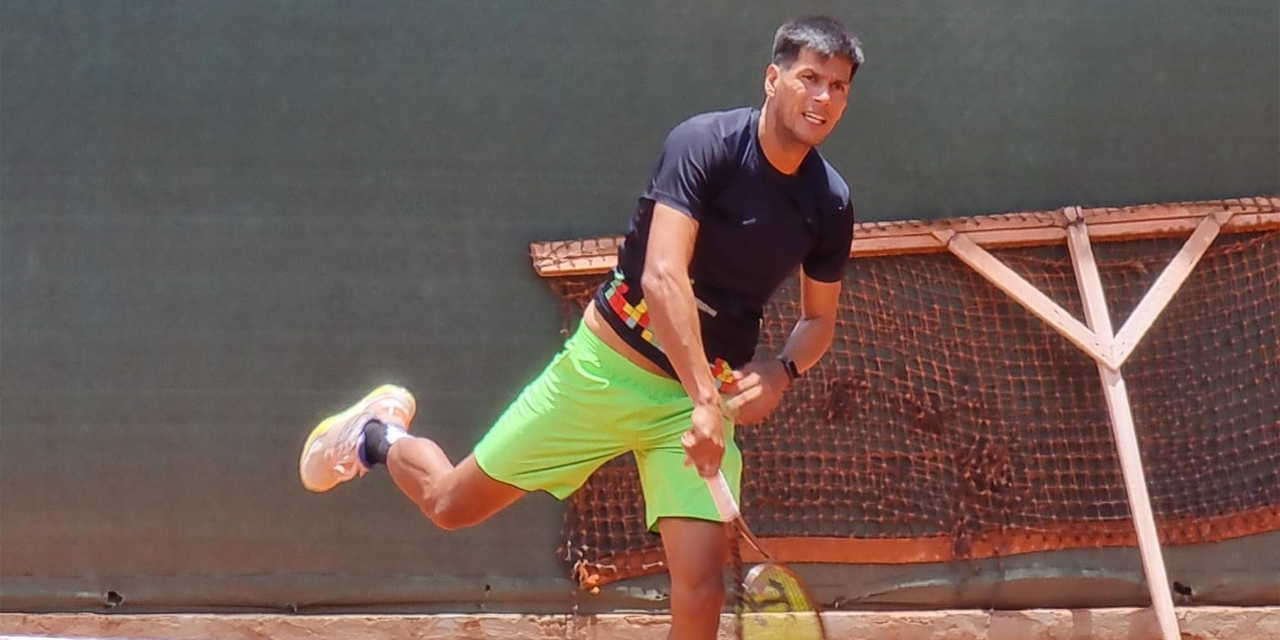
(821, 35)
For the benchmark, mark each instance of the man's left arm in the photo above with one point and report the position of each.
(762, 383)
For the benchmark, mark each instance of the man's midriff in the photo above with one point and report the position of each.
(600, 327)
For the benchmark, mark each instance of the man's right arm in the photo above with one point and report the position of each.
(673, 312)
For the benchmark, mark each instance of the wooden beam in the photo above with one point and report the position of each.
(1164, 288)
(1093, 296)
(599, 255)
(1196, 210)
(989, 542)
(882, 243)
(1025, 293)
(575, 257)
(1117, 397)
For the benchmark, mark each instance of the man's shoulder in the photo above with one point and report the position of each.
(726, 127)
(731, 120)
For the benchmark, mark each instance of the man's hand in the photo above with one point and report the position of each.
(760, 387)
(704, 442)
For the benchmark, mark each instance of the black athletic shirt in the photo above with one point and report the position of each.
(756, 225)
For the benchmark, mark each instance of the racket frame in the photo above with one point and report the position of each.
(730, 512)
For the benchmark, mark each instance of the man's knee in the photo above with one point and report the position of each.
(701, 586)
(438, 502)
(706, 596)
(695, 551)
(467, 498)
(450, 514)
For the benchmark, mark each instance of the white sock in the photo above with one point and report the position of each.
(395, 432)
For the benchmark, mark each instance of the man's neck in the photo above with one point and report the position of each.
(782, 151)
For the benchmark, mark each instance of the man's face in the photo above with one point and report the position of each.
(809, 97)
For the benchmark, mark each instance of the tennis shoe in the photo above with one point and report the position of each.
(331, 454)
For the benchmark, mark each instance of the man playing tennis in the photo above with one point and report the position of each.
(662, 364)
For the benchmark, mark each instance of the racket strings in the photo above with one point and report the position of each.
(777, 606)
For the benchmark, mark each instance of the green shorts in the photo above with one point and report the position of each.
(591, 405)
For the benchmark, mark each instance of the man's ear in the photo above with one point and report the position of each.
(771, 74)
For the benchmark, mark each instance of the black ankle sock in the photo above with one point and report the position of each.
(375, 443)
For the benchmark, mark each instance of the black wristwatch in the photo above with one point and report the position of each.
(793, 372)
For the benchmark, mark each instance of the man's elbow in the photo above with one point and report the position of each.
(659, 281)
(824, 319)
(825, 328)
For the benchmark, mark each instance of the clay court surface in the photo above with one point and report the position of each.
(1200, 623)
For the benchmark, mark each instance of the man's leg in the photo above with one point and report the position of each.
(696, 554)
(679, 504)
(557, 431)
(552, 437)
(374, 431)
(452, 497)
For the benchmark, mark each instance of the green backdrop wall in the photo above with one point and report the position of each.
(222, 221)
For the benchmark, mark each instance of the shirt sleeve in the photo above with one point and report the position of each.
(686, 169)
(826, 263)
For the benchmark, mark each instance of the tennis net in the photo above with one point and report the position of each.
(948, 422)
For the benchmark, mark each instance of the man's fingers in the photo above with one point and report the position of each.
(687, 441)
(747, 380)
(749, 395)
(742, 399)
(702, 454)
(732, 406)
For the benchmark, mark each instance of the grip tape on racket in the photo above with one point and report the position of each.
(723, 497)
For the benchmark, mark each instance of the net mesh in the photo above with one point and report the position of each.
(947, 422)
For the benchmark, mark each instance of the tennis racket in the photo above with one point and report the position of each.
(775, 604)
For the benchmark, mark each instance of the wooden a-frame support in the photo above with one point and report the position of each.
(1109, 350)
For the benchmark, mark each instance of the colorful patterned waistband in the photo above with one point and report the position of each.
(637, 319)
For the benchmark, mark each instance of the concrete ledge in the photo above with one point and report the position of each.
(1197, 623)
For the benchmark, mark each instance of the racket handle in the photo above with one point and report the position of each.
(723, 497)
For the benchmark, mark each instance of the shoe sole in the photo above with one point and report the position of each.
(384, 392)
